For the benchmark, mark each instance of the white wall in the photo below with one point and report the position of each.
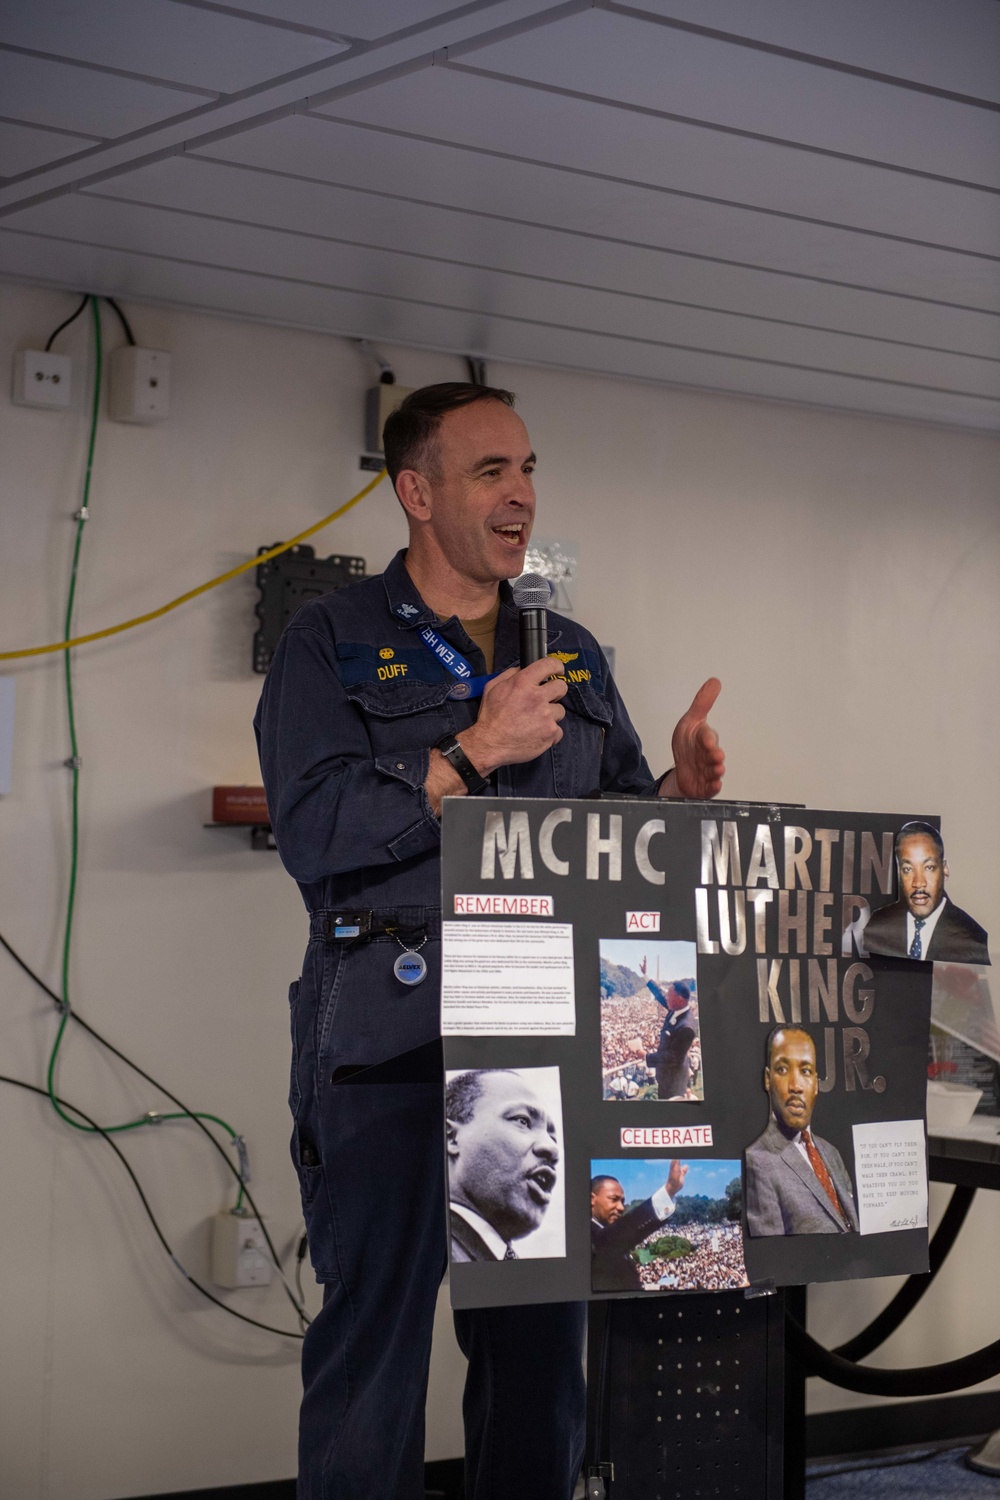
(839, 574)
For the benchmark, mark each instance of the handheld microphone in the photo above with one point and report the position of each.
(532, 593)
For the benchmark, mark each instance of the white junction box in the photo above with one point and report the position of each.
(42, 379)
(139, 385)
(240, 1256)
(380, 402)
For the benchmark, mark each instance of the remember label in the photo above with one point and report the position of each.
(486, 904)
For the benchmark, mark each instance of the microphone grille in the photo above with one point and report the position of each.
(531, 591)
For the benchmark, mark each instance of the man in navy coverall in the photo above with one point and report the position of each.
(353, 710)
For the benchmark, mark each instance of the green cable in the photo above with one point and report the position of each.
(74, 765)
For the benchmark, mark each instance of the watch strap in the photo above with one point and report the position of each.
(456, 756)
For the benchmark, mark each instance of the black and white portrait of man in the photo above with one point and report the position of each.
(505, 1188)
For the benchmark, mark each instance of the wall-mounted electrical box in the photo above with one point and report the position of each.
(240, 1256)
(380, 401)
(139, 385)
(42, 379)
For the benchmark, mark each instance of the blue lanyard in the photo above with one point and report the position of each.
(467, 685)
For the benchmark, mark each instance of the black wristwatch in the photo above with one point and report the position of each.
(456, 756)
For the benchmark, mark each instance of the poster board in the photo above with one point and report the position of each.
(614, 973)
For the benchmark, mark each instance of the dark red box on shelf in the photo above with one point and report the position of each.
(239, 804)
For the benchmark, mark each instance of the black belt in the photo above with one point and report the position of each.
(409, 924)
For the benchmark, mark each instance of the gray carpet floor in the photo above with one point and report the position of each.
(914, 1477)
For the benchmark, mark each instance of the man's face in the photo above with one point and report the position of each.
(791, 1079)
(502, 1163)
(607, 1204)
(922, 870)
(481, 496)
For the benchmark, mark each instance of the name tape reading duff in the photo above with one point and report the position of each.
(488, 904)
(669, 1137)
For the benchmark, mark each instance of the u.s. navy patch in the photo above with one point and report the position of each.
(406, 611)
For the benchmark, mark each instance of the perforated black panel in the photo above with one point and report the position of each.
(695, 1397)
(285, 583)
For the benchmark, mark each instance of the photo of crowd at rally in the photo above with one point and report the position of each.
(650, 1034)
(660, 1226)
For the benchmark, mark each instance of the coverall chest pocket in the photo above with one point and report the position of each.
(576, 759)
(403, 715)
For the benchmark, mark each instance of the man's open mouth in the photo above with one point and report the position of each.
(540, 1184)
(513, 533)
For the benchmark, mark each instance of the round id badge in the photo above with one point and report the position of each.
(410, 967)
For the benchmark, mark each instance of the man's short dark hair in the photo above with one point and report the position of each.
(596, 1183)
(680, 988)
(782, 1030)
(918, 829)
(463, 1091)
(408, 437)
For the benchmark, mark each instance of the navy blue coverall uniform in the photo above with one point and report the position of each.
(352, 705)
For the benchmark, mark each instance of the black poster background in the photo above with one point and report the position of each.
(732, 1033)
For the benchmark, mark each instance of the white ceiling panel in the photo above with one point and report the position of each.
(36, 259)
(366, 19)
(655, 67)
(522, 191)
(448, 104)
(469, 289)
(38, 91)
(243, 196)
(182, 44)
(953, 46)
(23, 148)
(795, 199)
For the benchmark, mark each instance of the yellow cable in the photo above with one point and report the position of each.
(154, 614)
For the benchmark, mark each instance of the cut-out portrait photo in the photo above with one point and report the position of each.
(924, 923)
(796, 1182)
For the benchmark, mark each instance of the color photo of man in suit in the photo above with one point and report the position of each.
(503, 1152)
(615, 1230)
(796, 1183)
(924, 923)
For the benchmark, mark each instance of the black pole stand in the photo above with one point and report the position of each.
(688, 1397)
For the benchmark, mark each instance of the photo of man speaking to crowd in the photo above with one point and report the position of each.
(661, 1226)
(650, 1031)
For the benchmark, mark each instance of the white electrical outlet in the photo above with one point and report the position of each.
(240, 1256)
(42, 379)
(139, 385)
